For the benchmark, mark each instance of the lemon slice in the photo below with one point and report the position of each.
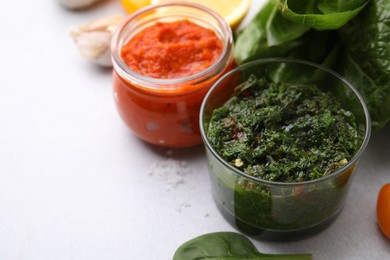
(233, 11)
(133, 5)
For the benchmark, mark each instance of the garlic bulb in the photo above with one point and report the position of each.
(77, 4)
(93, 39)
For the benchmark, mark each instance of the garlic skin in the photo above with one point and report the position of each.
(93, 39)
(77, 4)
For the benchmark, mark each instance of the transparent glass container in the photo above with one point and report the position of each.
(276, 210)
(165, 112)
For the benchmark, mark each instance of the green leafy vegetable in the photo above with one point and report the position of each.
(280, 30)
(252, 42)
(271, 35)
(350, 36)
(227, 245)
(321, 15)
(366, 62)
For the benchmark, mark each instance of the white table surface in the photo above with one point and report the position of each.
(76, 184)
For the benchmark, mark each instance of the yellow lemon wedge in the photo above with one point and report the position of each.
(233, 11)
(133, 5)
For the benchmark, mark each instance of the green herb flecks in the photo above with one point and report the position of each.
(283, 132)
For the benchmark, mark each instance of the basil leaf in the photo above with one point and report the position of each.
(366, 62)
(226, 245)
(321, 14)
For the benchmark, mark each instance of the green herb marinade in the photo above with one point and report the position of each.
(283, 132)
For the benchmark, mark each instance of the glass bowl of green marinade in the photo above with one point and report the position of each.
(283, 139)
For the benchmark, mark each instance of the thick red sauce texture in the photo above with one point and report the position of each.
(172, 50)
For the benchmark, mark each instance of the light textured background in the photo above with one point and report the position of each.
(76, 184)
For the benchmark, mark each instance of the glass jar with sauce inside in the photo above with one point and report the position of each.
(166, 57)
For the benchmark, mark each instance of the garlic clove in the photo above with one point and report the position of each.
(106, 23)
(93, 44)
(93, 39)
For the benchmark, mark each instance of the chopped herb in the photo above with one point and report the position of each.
(283, 132)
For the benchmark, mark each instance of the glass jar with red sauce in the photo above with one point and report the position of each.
(166, 57)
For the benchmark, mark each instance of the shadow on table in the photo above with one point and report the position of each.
(193, 152)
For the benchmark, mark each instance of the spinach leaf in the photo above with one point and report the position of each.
(366, 62)
(226, 245)
(252, 42)
(335, 6)
(280, 30)
(319, 47)
(321, 14)
(269, 34)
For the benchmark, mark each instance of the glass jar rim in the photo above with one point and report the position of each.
(334, 174)
(124, 71)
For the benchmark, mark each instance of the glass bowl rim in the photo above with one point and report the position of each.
(238, 172)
